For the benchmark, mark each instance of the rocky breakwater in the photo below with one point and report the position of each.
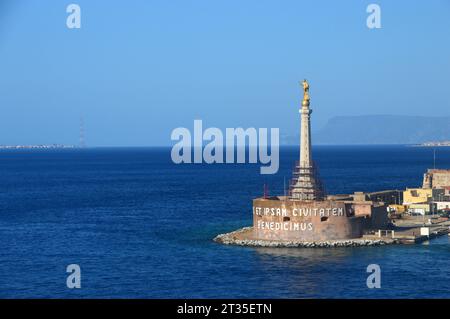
(242, 237)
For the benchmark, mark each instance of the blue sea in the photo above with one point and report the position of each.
(140, 226)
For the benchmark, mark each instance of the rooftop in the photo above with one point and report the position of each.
(436, 170)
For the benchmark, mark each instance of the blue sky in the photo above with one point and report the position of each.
(138, 69)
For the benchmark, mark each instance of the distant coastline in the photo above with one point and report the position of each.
(40, 146)
(434, 144)
(381, 129)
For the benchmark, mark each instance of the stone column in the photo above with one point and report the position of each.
(305, 185)
(305, 136)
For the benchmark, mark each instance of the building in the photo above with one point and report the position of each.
(417, 195)
(441, 194)
(440, 206)
(399, 209)
(436, 178)
(306, 213)
(281, 218)
(441, 199)
(420, 208)
(389, 197)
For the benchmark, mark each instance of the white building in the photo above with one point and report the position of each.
(442, 205)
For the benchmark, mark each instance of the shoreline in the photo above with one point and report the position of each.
(242, 237)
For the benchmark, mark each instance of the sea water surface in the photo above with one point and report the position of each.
(140, 226)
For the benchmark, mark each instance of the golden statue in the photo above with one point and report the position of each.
(305, 92)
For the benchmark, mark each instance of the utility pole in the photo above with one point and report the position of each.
(434, 158)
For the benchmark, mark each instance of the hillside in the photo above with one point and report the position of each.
(383, 129)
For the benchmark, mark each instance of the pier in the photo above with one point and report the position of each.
(413, 230)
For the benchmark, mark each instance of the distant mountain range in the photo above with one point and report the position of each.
(380, 129)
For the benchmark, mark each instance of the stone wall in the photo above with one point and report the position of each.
(280, 219)
(376, 215)
(436, 178)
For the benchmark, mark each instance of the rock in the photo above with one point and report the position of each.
(232, 239)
